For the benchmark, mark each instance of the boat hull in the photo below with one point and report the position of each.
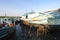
(48, 27)
(5, 32)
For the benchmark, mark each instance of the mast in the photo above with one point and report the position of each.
(26, 14)
(5, 15)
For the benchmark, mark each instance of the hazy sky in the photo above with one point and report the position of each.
(19, 7)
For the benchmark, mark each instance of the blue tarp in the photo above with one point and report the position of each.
(57, 17)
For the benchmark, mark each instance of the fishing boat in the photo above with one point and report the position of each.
(7, 27)
(49, 21)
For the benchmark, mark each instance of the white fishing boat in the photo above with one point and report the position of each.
(51, 18)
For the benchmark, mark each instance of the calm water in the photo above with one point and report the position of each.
(21, 35)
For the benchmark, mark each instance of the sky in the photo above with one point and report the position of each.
(19, 7)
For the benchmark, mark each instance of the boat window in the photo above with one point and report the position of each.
(54, 13)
